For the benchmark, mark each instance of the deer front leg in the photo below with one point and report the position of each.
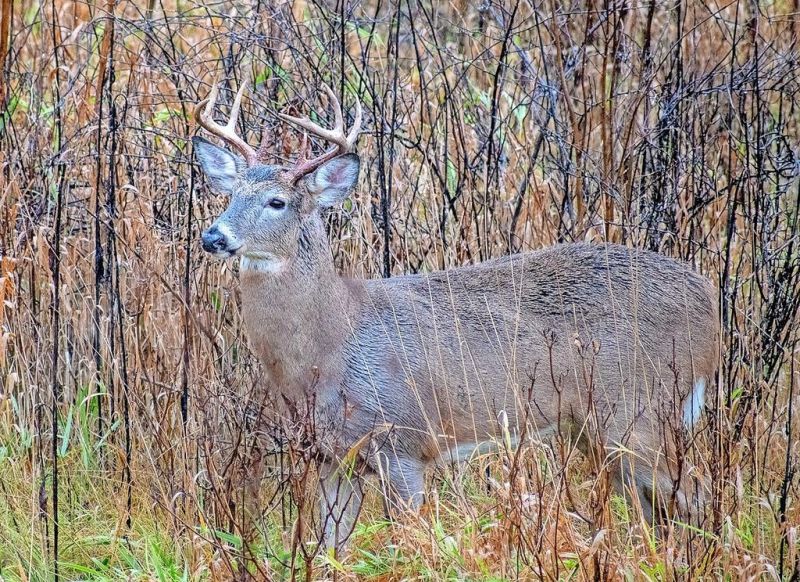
(402, 482)
(340, 497)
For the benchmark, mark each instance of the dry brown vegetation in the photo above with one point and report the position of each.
(128, 397)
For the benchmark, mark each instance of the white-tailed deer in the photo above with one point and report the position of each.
(609, 344)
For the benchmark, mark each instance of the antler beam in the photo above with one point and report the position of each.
(336, 135)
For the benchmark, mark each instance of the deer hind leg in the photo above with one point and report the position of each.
(340, 499)
(402, 482)
(642, 484)
(649, 471)
(662, 494)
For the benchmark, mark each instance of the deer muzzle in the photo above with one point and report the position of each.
(219, 242)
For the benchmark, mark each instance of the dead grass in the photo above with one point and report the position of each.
(492, 128)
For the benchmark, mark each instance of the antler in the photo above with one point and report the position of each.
(336, 135)
(227, 132)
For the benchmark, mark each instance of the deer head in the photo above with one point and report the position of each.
(271, 206)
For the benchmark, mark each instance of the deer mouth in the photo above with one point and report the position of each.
(225, 253)
(232, 252)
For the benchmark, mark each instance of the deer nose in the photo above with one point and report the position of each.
(214, 240)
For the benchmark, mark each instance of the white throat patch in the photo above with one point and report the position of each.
(261, 263)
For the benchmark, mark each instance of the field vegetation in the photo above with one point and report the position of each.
(130, 405)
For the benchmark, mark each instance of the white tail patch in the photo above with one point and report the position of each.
(693, 407)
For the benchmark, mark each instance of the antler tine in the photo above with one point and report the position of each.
(352, 137)
(337, 109)
(211, 101)
(203, 114)
(237, 103)
(262, 153)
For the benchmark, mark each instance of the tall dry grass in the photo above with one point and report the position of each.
(129, 401)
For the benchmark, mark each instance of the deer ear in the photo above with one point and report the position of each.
(219, 165)
(332, 182)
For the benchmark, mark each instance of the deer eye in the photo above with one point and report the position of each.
(276, 203)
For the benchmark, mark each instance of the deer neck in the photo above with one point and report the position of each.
(298, 312)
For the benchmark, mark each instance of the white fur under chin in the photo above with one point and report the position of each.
(261, 263)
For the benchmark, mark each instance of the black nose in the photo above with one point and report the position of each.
(214, 240)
